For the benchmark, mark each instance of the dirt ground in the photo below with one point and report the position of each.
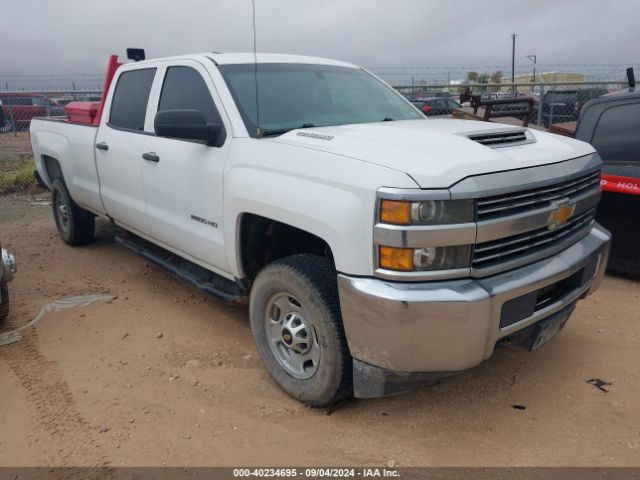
(164, 375)
(15, 143)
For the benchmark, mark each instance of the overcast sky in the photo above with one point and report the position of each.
(75, 36)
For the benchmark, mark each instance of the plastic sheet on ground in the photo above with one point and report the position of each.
(13, 336)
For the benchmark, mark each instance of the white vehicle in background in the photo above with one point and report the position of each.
(379, 250)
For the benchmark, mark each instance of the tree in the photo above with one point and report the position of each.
(497, 76)
(472, 76)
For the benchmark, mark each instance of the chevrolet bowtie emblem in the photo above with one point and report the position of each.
(562, 213)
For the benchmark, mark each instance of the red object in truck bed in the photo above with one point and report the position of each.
(89, 113)
(82, 112)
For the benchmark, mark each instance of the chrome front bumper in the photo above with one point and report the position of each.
(454, 325)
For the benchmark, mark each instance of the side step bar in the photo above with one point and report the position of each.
(202, 278)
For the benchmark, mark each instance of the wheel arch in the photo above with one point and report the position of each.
(52, 169)
(261, 240)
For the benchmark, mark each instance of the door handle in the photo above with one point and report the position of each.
(102, 146)
(151, 156)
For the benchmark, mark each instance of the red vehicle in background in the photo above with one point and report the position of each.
(20, 107)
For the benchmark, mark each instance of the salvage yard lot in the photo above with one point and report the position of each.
(165, 375)
(16, 164)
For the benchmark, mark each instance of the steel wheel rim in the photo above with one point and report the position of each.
(291, 335)
(61, 210)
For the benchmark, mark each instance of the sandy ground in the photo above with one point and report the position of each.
(95, 385)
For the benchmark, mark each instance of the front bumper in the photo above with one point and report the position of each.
(397, 329)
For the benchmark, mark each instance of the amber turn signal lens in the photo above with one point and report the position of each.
(396, 212)
(396, 258)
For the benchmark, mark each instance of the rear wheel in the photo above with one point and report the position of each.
(297, 327)
(75, 225)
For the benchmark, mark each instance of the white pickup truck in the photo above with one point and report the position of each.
(379, 249)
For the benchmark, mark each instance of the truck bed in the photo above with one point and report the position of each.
(56, 137)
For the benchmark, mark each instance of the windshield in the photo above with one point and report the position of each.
(292, 95)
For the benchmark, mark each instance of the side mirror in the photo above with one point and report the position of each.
(188, 124)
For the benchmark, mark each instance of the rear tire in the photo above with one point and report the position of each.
(75, 225)
(297, 326)
(8, 125)
(4, 305)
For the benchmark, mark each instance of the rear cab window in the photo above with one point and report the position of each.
(617, 134)
(130, 99)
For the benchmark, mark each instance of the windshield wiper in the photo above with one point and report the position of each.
(387, 119)
(280, 131)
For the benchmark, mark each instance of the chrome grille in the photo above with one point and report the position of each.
(525, 244)
(499, 139)
(523, 201)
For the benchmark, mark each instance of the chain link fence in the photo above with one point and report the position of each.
(19, 107)
(550, 103)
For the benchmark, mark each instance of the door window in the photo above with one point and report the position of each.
(184, 88)
(129, 104)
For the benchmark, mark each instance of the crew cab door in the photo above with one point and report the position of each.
(183, 179)
(119, 147)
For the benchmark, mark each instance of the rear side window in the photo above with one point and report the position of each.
(184, 88)
(19, 101)
(617, 134)
(129, 104)
(41, 101)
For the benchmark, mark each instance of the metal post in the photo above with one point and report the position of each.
(534, 69)
(13, 118)
(513, 61)
(533, 58)
(540, 103)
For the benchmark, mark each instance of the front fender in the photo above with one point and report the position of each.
(327, 195)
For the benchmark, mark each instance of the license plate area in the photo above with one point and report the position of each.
(536, 335)
(548, 328)
(523, 307)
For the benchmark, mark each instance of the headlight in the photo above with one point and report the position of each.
(424, 259)
(426, 212)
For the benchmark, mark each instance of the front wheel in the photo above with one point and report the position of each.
(297, 327)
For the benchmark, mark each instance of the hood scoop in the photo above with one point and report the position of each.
(503, 138)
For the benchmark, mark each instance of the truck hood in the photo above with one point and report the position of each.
(436, 153)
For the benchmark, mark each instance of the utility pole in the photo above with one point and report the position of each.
(533, 58)
(513, 61)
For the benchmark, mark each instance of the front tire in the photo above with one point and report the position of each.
(297, 327)
(75, 225)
